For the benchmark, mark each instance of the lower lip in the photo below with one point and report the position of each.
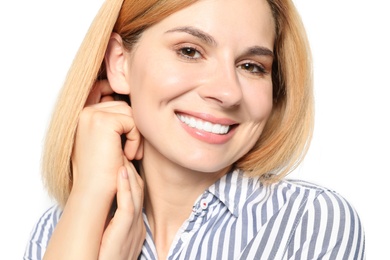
(208, 137)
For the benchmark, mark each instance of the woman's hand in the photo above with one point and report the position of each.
(125, 233)
(98, 155)
(98, 152)
(82, 231)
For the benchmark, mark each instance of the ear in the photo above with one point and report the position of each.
(115, 60)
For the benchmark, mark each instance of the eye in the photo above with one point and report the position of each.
(252, 68)
(189, 53)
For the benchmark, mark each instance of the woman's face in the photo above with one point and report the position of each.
(200, 83)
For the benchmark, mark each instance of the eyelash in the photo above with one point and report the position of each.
(180, 50)
(260, 70)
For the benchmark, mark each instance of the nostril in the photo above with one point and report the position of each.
(224, 99)
(222, 88)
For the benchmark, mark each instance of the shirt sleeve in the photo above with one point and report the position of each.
(329, 229)
(41, 234)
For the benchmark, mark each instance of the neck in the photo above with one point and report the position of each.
(170, 193)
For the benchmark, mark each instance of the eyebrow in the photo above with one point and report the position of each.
(207, 38)
(259, 51)
(203, 36)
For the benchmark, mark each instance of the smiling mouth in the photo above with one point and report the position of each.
(204, 125)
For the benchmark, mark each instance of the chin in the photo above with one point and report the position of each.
(202, 167)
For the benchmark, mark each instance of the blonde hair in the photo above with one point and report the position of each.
(125, 17)
(284, 139)
(288, 132)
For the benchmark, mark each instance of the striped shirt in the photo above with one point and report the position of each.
(240, 218)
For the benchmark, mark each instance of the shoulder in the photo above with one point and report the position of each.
(301, 220)
(330, 224)
(325, 202)
(42, 232)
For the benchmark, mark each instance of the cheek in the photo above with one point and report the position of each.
(259, 102)
(166, 78)
(177, 78)
(153, 85)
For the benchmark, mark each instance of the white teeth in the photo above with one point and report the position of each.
(204, 125)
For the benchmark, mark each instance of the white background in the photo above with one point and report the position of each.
(350, 149)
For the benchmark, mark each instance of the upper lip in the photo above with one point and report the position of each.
(208, 117)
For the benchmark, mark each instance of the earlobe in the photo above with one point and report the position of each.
(115, 60)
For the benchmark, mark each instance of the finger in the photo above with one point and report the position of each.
(125, 206)
(140, 151)
(124, 217)
(108, 114)
(107, 99)
(124, 193)
(126, 232)
(119, 118)
(133, 148)
(101, 88)
(136, 186)
(129, 194)
(113, 107)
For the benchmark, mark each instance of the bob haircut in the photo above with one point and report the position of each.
(285, 138)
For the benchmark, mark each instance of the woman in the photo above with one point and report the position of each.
(221, 110)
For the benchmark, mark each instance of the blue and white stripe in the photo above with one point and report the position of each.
(41, 234)
(240, 218)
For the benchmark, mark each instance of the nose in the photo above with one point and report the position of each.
(222, 87)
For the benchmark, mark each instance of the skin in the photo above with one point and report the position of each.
(197, 63)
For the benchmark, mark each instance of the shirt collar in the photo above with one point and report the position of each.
(233, 189)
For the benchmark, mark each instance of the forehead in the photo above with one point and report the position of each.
(248, 21)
